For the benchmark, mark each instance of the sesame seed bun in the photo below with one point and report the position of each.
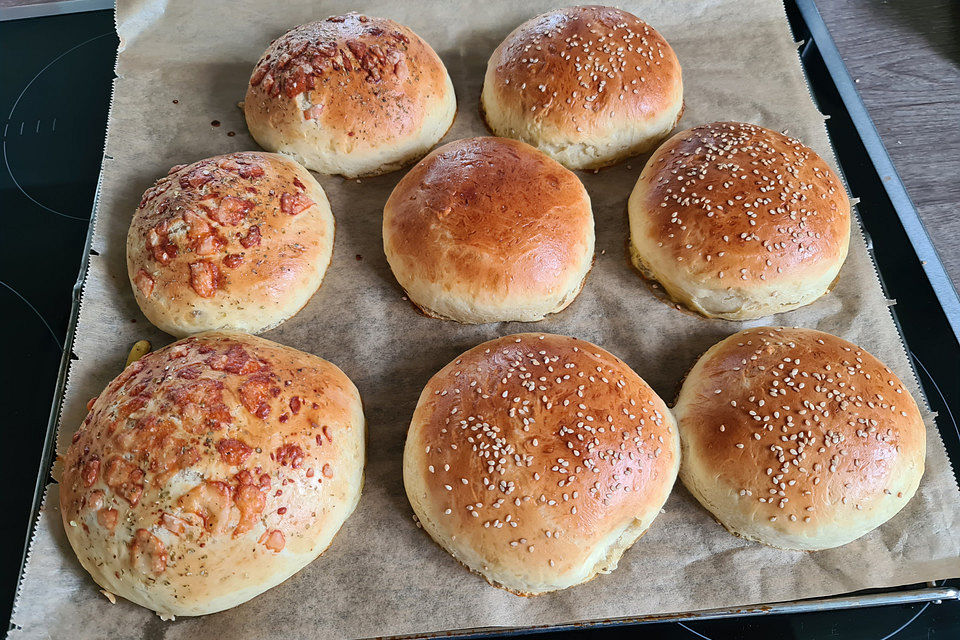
(239, 242)
(350, 95)
(489, 230)
(211, 470)
(737, 221)
(798, 439)
(537, 460)
(588, 86)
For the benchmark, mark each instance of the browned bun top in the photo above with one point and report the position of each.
(493, 216)
(741, 204)
(579, 69)
(530, 455)
(798, 438)
(234, 241)
(218, 452)
(370, 80)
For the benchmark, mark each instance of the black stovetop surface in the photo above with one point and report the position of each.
(55, 78)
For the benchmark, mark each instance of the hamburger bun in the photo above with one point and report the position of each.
(489, 230)
(739, 222)
(537, 460)
(211, 470)
(588, 86)
(798, 439)
(238, 242)
(350, 95)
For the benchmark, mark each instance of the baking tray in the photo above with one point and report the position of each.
(927, 310)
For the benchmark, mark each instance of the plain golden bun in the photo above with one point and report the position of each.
(537, 460)
(489, 230)
(238, 242)
(350, 95)
(739, 222)
(798, 439)
(588, 86)
(211, 470)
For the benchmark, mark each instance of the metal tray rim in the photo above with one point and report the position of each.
(932, 593)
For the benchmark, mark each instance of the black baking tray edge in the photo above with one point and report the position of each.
(927, 311)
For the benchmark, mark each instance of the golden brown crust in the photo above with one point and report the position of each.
(797, 438)
(350, 85)
(217, 452)
(732, 197)
(488, 229)
(239, 241)
(735, 209)
(537, 459)
(587, 85)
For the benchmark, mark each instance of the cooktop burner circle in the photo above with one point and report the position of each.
(44, 137)
(886, 624)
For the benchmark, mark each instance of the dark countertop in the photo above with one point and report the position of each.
(905, 57)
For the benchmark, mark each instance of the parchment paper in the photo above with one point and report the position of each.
(383, 575)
